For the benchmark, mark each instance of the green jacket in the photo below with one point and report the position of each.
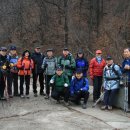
(68, 64)
(59, 82)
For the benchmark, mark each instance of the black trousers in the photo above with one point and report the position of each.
(81, 94)
(97, 83)
(12, 79)
(57, 94)
(47, 80)
(25, 79)
(2, 85)
(41, 81)
(109, 96)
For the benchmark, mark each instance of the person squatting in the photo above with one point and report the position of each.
(62, 78)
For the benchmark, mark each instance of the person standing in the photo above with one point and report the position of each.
(38, 57)
(96, 67)
(12, 77)
(82, 63)
(49, 66)
(126, 69)
(25, 65)
(4, 67)
(111, 75)
(67, 62)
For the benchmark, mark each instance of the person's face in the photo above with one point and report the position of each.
(59, 72)
(98, 55)
(13, 52)
(80, 55)
(65, 52)
(79, 75)
(37, 50)
(109, 62)
(26, 54)
(126, 53)
(3, 52)
(49, 53)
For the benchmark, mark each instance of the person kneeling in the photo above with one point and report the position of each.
(79, 89)
(60, 86)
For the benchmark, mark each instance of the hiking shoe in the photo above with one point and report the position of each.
(42, 94)
(35, 95)
(46, 97)
(104, 107)
(66, 103)
(27, 96)
(84, 106)
(109, 107)
(22, 96)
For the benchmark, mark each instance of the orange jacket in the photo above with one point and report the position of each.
(25, 66)
(95, 68)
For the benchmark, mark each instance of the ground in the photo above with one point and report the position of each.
(38, 113)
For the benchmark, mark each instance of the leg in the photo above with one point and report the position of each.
(2, 86)
(21, 84)
(15, 84)
(41, 79)
(35, 82)
(55, 95)
(85, 95)
(27, 80)
(129, 93)
(111, 96)
(66, 94)
(95, 88)
(47, 85)
(99, 86)
(106, 97)
(9, 83)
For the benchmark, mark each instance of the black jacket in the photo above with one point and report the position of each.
(38, 59)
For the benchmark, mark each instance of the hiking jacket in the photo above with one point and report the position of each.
(111, 78)
(25, 66)
(38, 59)
(13, 59)
(96, 69)
(79, 85)
(82, 63)
(127, 72)
(68, 64)
(59, 82)
(49, 65)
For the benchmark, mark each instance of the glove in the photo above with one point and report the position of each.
(4, 67)
(65, 85)
(51, 82)
(11, 65)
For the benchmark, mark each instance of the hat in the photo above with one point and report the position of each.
(37, 47)
(3, 49)
(59, 68)
(80, 52)
(109, 58)
(65, 49)
(12, 47)
(79, 71)
(98, 52)
(50, 49)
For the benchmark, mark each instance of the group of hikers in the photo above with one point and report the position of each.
(65, 76)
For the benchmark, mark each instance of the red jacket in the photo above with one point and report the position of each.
(25, 66)
(95, 68)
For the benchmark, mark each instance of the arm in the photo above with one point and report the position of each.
(91, 68)
(86, 87)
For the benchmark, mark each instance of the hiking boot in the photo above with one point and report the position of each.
(42, 94)
(22, 96)
(35, 95)
(47, 97)
(104, 107)
(109, 107)
(84, 106)
(27, 96)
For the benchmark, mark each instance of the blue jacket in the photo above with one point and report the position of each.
(82, 63)
(79, 85)
(127, 72)
(111, 79)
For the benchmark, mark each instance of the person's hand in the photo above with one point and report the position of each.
(11, 65)
(127, 67)
(65, 85)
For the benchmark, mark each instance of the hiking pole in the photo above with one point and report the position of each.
(100, 99)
